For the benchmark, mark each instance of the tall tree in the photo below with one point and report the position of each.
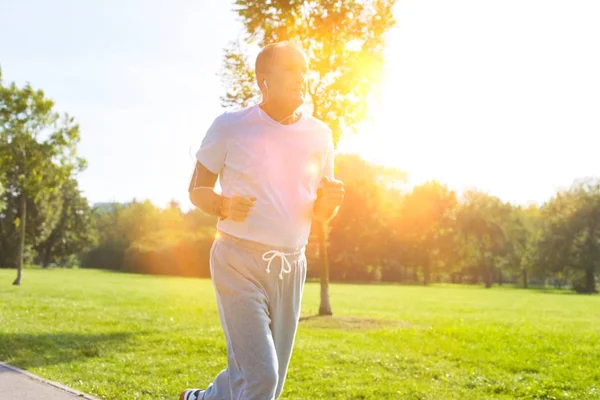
(38, 150)
(344, 41)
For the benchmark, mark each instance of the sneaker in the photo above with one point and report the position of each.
(192, 394)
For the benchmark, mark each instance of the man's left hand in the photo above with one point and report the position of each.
(329, 199)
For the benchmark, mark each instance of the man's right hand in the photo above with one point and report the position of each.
(203, 196)
(237, 208)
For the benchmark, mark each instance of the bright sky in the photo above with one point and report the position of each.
(503, 96)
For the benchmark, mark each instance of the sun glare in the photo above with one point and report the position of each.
(313, 168)
(391, 134)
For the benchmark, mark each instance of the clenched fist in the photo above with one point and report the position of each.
(237, 208)
(329, 199)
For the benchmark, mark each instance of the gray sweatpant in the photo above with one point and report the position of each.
(259, 291)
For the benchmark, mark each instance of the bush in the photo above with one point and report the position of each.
(171, 252)
(108, 255)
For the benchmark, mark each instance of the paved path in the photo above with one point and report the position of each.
(16, 384)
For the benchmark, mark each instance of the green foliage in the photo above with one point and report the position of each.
(43, 215)
(430, 235)
(111, 244)
(481, 221)
(382, 233)
(73, 234)
(358, 234)
(139, 237)
(424, 224)
(171, 252)
(239, 78)
(36, 143)
(569, 242)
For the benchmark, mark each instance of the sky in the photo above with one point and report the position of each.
(500, 96)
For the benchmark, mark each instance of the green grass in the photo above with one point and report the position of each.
(121, 336)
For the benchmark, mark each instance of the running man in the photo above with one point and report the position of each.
(275, 168)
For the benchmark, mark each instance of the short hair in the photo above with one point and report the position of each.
(265, 57)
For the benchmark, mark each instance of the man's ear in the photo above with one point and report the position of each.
(261, 80)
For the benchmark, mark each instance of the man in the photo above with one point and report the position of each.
(275, 168)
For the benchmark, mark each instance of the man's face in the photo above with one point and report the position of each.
(286, 77)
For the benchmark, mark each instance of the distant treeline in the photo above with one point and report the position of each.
(382, 233)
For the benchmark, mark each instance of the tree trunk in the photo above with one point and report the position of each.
(590, 282)
(487, 276)
(21, 249)
(46, 259)
(524, 276)
(325, 307)
(426, 273)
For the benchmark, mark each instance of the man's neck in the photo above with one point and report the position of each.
(281, 115)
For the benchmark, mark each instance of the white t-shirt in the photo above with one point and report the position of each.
(281, 165)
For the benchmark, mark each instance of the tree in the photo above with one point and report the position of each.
(358, 239)
(344, 41)
(172, 218)
(138, 219)
(520, 229)
(586, 227)
(37, 149)
(425, 224)
(239, 79)
(480, 220)
(75, 231)
(112, 242)
(569, 243)
(43, 214)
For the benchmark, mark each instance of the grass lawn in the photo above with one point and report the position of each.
(122, 336)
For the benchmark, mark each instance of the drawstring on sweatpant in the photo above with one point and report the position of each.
(271, 255)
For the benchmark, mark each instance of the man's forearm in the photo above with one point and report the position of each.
(324, 212)
(207, 200)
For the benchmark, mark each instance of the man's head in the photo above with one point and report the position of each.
(281, 70)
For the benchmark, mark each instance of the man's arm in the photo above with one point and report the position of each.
(329, 199)
(201, 191)
(331, 191)
(203, 196)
